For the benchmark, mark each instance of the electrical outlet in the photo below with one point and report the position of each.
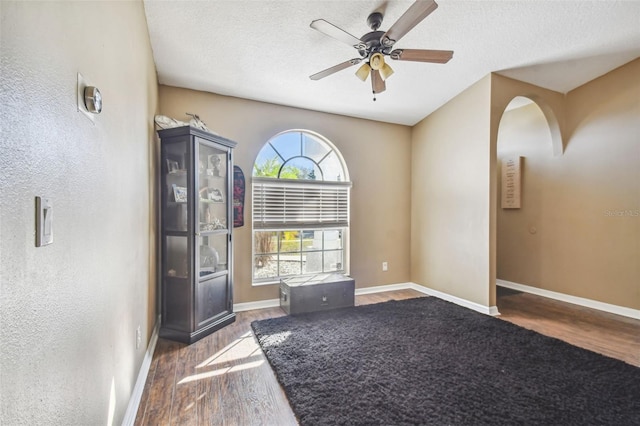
(138, 337)
(385, 266)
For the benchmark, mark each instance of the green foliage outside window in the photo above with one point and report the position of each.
(271, 167)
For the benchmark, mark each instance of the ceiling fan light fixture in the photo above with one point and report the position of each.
(386, 71)
(375, 45)
(376, 61)
(363, 72)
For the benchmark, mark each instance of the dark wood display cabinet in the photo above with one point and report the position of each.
(196, 233)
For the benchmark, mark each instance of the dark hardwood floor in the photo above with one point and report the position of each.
(224, 379)
(611, 335)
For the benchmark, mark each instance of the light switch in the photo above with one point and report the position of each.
(44, 221)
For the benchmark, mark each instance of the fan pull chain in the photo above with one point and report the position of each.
(374, 96)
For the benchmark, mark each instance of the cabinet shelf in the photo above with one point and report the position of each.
(179, 279)
(175, 233)
(213, 275)
(210, 176)
(205, 201)
(205, 233)
(180, 172)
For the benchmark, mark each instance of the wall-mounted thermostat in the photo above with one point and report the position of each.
(44, 221)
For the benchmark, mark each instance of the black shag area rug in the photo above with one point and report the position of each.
(426, 361)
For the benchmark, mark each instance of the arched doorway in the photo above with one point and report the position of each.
(528, 140)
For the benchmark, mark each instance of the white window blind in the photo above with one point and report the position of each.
(284, 203)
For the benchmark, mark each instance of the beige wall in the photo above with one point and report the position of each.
(70, 310)
(585, 204)
(378, 156)
(450, 210)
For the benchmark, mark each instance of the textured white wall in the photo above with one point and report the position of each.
(69, 311)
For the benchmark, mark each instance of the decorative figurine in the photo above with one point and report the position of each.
(214, 162)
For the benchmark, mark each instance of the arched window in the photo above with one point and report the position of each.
(300, 207)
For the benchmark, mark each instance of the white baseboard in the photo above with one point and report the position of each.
(260, 304)
(274, 303)
(488, 310)
(588, 303)
(381, 288)
(138, 389)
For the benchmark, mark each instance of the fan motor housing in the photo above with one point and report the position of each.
(372, 44)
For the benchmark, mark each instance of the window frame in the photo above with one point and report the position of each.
(324, 252)
(339, 223)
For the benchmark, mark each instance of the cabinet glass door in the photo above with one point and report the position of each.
(212, 188)
(176, 186)
(212, 211)
(176, 268)
(212, 249)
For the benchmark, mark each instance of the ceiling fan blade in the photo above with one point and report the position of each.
(412, 17)
(421, 55)
(332, 31)
(377, 83)
(335, 68)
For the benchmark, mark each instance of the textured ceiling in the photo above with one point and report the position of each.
(265, 50)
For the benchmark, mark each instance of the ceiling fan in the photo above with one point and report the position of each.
(375, 45)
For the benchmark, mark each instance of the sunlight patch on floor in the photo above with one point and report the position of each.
(241, 348)
(221, 371)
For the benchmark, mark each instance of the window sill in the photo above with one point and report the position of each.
(261, 283)
(276, 282)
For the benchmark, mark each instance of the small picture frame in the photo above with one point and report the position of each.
(216, 196)
(172, 166)
(179, 194)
